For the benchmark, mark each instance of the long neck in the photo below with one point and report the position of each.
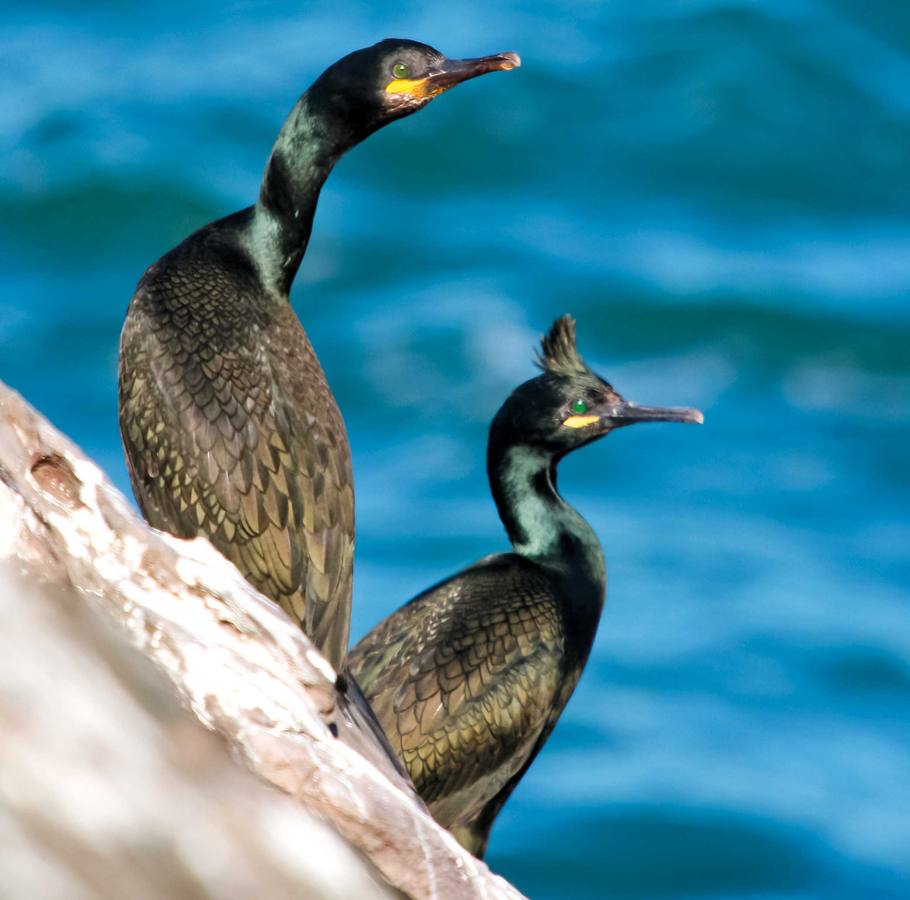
(308, 146)
(540, 524)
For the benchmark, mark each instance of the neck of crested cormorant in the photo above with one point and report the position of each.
(540, 524)
(309, 144)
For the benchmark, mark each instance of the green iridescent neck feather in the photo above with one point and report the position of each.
(540, 524)
(308, 146)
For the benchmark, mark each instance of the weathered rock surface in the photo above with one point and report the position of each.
(108, 788)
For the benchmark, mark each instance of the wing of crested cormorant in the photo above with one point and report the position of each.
(214, 448)
(464, 679)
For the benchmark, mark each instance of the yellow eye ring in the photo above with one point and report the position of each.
(400, 70)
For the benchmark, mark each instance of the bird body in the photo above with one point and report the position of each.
(228, 423)
(470, 677)
(234, 434)
(487, 668)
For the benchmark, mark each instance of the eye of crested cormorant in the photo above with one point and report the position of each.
(579, 407)
(400, 70)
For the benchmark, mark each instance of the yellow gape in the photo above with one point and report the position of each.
(580, 421)
(416, 87)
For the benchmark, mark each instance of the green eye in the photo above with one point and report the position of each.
(579, 407)
(400, 70)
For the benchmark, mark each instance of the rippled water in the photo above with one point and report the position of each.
(718, 191)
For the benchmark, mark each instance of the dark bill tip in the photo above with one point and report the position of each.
(629, 413)
(454, 71)
(507, 61)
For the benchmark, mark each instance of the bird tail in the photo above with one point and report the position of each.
(361, 713)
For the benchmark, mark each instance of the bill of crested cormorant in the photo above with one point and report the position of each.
(229, 427)
(469, 678)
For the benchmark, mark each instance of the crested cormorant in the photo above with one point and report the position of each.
(229, 427)
(469, 678)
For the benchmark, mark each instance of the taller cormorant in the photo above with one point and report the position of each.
(229, 427)
(469, 678)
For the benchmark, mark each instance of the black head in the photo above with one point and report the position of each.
(569, 405)
(394, 78)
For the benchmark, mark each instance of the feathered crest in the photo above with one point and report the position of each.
(558, 353)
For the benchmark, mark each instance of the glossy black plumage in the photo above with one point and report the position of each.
(232, 432)
(470, 677)
(229, 427)
(468, 681)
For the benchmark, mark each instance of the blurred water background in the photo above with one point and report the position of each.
(719, 192)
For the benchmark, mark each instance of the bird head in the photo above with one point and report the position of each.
(569, 405)
(394, 78)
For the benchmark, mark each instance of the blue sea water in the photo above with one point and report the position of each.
(718, 190)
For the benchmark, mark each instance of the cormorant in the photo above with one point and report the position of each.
(229, 427)
(469, 678)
